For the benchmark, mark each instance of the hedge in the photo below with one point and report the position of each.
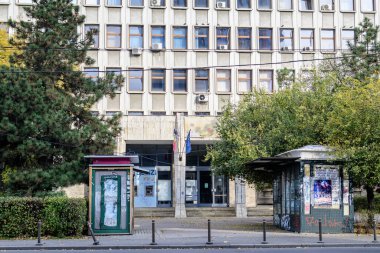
(60, 216)
(360, 203)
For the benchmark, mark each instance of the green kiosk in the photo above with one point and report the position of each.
(111, 194)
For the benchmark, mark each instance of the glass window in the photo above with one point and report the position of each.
(347, 36)
(201, 37)
(132, 113)
(136, 37)
(286, 39)
(4, 27)
(367, 5)
(265, 38)
(136, 79)
(114, 2)
(158, 35)
(347, 5)
(113, 36)
(222, 4)
(179, 37)
(116, 72)
(326, 5)
(266, 80)
(92, 73)
(95, 35)
(93, 2)
(201, 3)
(306, 5)
(136, 3)
(158, 80)
(285, 4)
(201, 80)
(327, 40)
(179, 3)
(265, 4)
(180, 80)
(244, 38)
(307, 39)
(244, 81)
(243, 4)
(223, 38)
(223, 80)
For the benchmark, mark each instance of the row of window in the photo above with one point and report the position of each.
(135, 78)
(223, 38)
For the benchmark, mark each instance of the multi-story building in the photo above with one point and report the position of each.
(183, 60)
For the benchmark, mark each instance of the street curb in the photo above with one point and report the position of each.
(200, 246)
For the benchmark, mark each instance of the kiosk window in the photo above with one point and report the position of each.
(149, 191)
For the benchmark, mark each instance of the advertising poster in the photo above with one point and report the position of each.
(322, 193)
(306, 193)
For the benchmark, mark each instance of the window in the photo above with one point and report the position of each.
(25, 1)
(180, 80)
(136, 79)
(223, 80)
(114, 2)
(92, 73)
(4, 27)
(202, 113)
(244, 81)
(138, 3)
(158, 80)
(74, 2)
(306, 5)
(149, 191)
(286, 39)
(327, 5)
(113, 36)
(95, 35)
(179, 3)
(307, 39)
(285, 4)
(179, 37)
(158, 35)
(158, 113)
(116, 72)
(136, 37)
(222, 38)
(243, 4)
(221, 4)
(133, 113)
(264, 4)
(201, 3)
(265, 38)
(244, 38)
(347, 5)
(347, 36)
(266, 80)
(201, 80)
(367, 5)
(327, 40)
(92, 2)
(286, 80)
(201, 37)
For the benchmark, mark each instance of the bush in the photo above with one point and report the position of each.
(360, 203)
(60, 216)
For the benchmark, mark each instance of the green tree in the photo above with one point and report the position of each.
(46, 123)
(4, 48)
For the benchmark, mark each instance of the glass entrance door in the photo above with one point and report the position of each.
(219, 190)
(205, 188)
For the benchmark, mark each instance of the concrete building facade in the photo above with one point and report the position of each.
(184, 60)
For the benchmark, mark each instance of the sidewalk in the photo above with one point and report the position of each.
(192, 233)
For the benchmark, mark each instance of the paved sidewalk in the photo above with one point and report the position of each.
(192, 233)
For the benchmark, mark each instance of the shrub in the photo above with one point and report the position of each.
(360, 203)
(60, 216)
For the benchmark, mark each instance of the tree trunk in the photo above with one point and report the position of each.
(370, 197)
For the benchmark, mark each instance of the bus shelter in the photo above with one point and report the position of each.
(309, 185)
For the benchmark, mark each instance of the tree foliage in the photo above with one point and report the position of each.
(5, 53)
(46, 123)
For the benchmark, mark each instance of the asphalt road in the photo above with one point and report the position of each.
(297, 250)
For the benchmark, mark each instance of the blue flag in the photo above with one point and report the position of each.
(188, 143)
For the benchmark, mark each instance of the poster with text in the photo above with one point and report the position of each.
(322, 193)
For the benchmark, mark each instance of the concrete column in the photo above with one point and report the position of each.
(179, 169)
(240, 199)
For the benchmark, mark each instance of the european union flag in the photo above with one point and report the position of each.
(188, 143)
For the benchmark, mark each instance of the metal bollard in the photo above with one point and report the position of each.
(209, 232)
(320, 230)
(96, 242)
(264, 233)
(39, 223)
(153, 233)
(374, 231)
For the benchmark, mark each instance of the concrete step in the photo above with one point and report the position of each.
(210, 211)
(265, 201)
(260, 210)
(153, 212)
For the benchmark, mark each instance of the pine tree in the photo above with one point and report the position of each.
(47, 126)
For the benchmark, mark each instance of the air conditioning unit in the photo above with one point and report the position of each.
(284, 48)
(326, 7)
(222, 47)
(136, 51)
(157, 46)
(306, 49)
(202, 98)
(155, 3)
(221, 4)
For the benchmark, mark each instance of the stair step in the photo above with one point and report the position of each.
(260, 210)
(153, 212)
